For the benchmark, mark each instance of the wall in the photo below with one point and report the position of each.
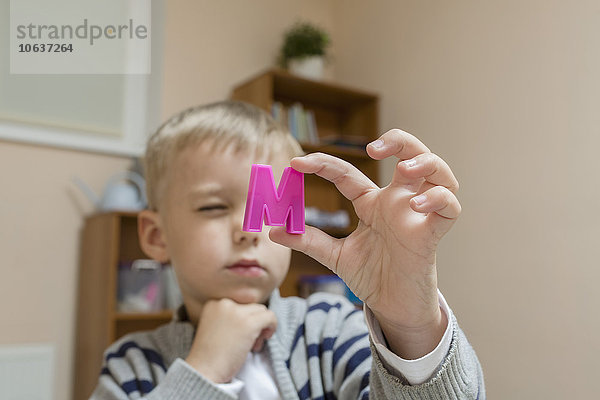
(42, 214)
(213, 45)
(507, 92)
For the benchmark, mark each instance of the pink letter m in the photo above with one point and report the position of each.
(274, 205)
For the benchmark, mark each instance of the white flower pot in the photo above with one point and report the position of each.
(308, 67)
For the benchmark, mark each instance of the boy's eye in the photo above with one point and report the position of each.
(212, 207)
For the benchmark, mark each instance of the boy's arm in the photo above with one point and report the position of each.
(132, 371)
(359, 371)
(459, 376)
(180, 382)
(415, 371)
(389, 261)
(435, 375)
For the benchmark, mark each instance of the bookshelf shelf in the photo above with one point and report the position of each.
(160, 315)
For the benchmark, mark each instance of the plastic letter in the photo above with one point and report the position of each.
(274, 205)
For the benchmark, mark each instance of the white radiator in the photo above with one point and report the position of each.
(26, 372)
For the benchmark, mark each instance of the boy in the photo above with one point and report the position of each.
(234, 337)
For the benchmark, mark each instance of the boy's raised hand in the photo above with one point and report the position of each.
(389, 261)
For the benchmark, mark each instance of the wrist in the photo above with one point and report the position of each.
(210, 371)
(413, 342)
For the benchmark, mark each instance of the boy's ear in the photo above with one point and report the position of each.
(151, 234)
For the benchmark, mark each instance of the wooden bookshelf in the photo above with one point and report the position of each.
(340, 111)
(107, 239)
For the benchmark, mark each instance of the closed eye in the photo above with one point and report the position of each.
(213, 207)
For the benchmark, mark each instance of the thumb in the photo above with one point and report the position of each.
(314, 243)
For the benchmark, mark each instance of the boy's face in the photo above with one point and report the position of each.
(201, 216)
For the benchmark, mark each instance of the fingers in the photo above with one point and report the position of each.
(441, 205)
(396, 142)
(263, 323)
(265, 334)
(314, 243)
(347, 178)
(257, 316)
(263, 318)
(417, 161)
(426, 166)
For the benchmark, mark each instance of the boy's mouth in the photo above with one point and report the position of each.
(249, 268)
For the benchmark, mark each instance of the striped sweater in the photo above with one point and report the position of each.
(321, 350)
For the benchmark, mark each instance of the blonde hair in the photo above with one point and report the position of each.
(220, 124)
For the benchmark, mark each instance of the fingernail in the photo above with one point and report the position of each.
(378, 144)
(410, 163)
(420, 199)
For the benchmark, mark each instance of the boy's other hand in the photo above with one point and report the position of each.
(389, 261)
(226, 333)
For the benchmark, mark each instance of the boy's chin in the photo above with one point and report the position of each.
(250, 296)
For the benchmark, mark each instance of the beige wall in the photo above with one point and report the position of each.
(41, 214)
(508, 93)
(212, 45)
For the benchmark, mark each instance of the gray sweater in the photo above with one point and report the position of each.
(321, 350)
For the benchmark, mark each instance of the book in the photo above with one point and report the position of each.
(302, 126)
(292, 123)
(313, 134)
(300, 122)
(276, 111)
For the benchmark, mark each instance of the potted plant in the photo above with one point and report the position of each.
(304, 48)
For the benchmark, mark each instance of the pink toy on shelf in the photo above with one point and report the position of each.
(274, 205)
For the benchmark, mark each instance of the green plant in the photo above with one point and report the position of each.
(303, 40)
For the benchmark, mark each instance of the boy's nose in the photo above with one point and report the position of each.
(247, 238)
